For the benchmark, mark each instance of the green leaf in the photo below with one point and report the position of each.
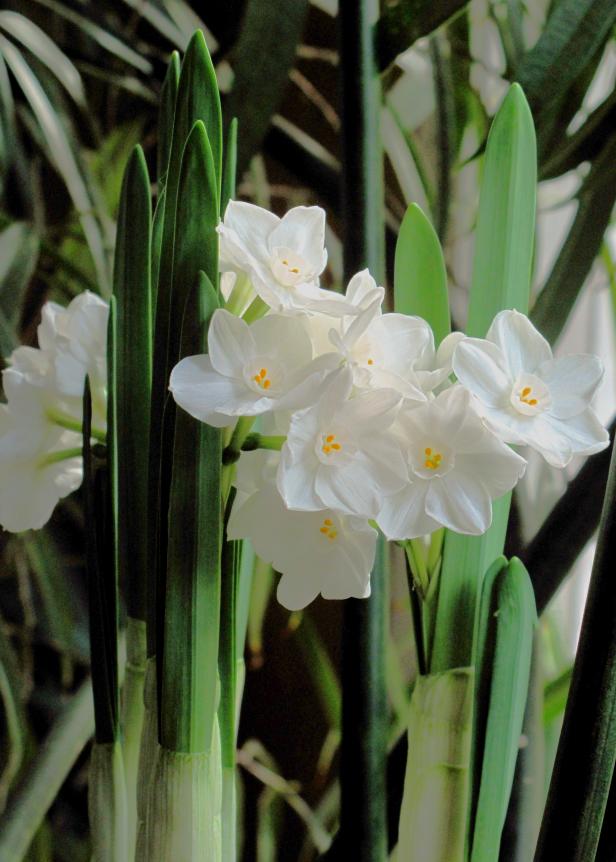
(19, 251)
(433, 813)
(133, 364)
(506, 222)
(45, 775)
(501, 279)
(264, 56)
(586, 755)
(574, 32)
(166, 112)
(420, 277)
(230, 167)
(402, 24)
(62, 156)
(582, 245)
(192, 598)
(98, 490)
(512, 608)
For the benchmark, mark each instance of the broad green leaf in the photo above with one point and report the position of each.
(166, 112)
(513, 613)
(582, 245)
(501, 279)
(505, 234)
(401, 24)
(264, 56)
(133, 372)
(192, 596)
(555, 695)
(420, 277)
(433, 814)
(586, 756)
(574, 32)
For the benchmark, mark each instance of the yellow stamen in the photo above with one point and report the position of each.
(371, 362)
(328, 522)
(432, 461)
(327, 529)
(329, 444)
(262, 380)
(532, 402)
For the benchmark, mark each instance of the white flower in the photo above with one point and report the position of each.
(282, 257)
(340, 454)
(316, 552)
(72, 343)
(249, 370)
(529, 397)
(32, 481)
(456, 467)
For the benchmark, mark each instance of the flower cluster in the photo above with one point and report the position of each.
(40, 425)
(362, 423)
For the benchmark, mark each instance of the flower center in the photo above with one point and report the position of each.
(328, 530)
(330, 444)
(530, 395)
(433, 459)
(289, 268)
(262, 380)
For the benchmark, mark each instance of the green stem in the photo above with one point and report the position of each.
(255, 310)
(66, 421)
(263, 441)
(239, 299)
(60, 455)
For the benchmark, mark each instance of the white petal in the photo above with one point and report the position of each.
(580, 435)
(497, 467)
(252, 225)
(295, 593)
(336, 391)
(403, 515)
(296, 480)
(459, 503)
(302, 229)
(284, 337)
(370, 411)
(480, 368)
(572, 382)
(362, 290)
(209, 396)
(230, 343)
(352, 490)
(522, 345)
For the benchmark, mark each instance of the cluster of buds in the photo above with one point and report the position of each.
(362, 421)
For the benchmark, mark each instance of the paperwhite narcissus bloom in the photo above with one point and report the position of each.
(31, 480)
(72, 344)
(340, 454)
(248, 370)
(282, 257)
(529, 397)
(316, 552)
(456, 467)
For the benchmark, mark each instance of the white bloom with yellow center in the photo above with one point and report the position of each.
(283, 258)
(526, 395)
(316, 552)
(456, 467)
(340, 454)
(249, 370)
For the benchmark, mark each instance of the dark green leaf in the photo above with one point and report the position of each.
(166, 112)
(264, 56)
(19, 250)
(230, 167)
(133, 366)
(406, 21)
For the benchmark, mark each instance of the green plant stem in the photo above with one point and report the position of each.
(65, 421)
(255, 310)
(60, 455)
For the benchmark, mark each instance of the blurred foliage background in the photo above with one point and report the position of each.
(79, 86)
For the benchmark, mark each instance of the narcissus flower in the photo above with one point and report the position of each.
(282, 257)
(456, 467)
(249, 370)
(340, 454)
(39, 464)
(316, 552)
(529, 397)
